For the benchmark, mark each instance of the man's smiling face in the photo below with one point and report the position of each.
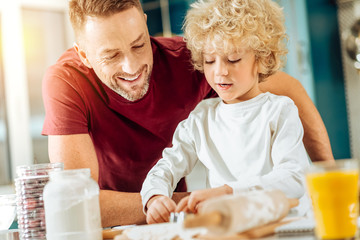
(118, 48)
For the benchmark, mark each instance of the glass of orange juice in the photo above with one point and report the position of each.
(334, 192)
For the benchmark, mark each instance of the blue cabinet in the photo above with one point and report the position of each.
(165, 17)
(315, 59)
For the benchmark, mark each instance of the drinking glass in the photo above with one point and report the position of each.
(334, 191)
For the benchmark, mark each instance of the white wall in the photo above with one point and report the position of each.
(34, 34)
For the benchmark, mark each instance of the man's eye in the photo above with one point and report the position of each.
(139, 46)
(111, 57)
(234, 61)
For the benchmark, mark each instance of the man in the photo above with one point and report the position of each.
(114, 100)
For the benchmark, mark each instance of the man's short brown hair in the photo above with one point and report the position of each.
(80, 9)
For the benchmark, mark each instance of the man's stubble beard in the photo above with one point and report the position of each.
(132, 97)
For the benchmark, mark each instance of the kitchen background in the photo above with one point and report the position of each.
(34, 33)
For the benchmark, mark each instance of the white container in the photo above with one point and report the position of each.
(72, 209)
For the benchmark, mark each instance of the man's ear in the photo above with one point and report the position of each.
(145, 16)
(82, 55)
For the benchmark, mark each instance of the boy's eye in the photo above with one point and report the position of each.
(209, 61)
(234, 61)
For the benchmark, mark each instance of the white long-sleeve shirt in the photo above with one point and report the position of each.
(256, 144)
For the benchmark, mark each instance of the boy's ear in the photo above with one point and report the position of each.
(261, 69)
(257, 64)
(82, 55)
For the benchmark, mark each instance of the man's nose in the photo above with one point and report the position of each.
(130, 64)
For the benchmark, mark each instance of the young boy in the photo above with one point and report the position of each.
(246, 139)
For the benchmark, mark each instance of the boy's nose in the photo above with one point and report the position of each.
(221, 69)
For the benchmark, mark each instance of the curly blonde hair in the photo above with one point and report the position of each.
(231, 25)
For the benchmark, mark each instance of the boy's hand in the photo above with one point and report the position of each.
(183, 205)
(159, 208)
(193, 202)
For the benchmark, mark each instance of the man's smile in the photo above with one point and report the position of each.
(130, 79)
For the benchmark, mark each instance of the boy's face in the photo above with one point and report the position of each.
(118, 48)
(233, 76)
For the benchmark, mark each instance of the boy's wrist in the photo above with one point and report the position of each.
(151, 199)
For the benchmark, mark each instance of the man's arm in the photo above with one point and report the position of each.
(77, 151)
(117, 208)
(316, 139)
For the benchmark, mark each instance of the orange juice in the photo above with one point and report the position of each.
(334, 196)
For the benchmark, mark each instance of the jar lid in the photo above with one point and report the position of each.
(42, 169)
(70, 173)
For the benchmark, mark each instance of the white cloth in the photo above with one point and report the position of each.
(256, 144)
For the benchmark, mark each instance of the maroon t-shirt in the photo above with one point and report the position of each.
(129, 137)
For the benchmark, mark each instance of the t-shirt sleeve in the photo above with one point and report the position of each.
(176, 163)
(65, 110)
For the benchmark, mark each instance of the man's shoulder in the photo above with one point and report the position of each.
(69, 76)
(68, 66)
(69, 57)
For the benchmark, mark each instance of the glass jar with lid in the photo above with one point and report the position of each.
(72, 209)
(29, 186)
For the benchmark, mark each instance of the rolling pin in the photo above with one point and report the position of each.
(238, 213)
(111, 233)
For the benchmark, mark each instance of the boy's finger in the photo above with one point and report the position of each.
(170, 205)
(158, 213)
(150, 219)
(163, 214)
(199, 206)
(182, 204)
(192, 203)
